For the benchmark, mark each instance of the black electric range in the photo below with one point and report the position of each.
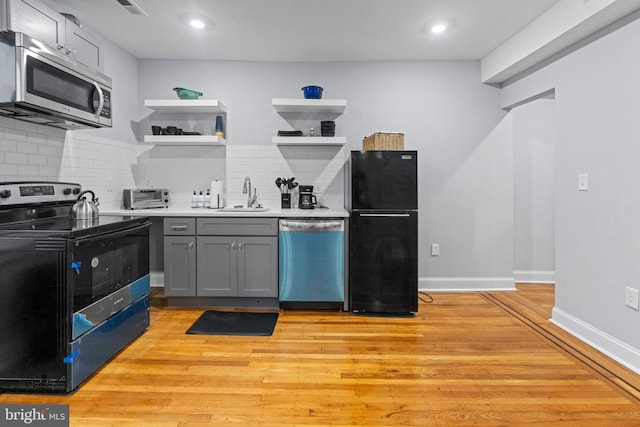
(73, 292)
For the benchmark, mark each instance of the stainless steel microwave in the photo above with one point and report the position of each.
(40, 85)
(145, 198)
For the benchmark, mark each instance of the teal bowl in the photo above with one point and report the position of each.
(187, 93)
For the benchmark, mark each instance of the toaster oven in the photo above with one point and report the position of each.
(145, 198)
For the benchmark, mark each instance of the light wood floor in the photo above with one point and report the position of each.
(467, 359)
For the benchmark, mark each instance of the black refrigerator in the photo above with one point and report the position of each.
(383, 232)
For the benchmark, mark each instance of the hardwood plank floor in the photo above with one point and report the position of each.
(467, 359)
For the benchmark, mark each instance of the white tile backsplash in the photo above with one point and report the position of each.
(33, 152)
(319, 166)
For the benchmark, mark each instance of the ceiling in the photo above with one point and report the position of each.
(309, 30)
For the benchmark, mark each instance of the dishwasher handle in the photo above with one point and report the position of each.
(311, 225)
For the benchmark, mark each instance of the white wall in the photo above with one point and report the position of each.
(465, 148)
(597, 231)
(534, 193)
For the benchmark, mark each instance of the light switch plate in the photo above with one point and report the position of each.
(583, 182)
(435, 249)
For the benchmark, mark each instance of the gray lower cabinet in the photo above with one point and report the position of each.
(237, 257)
(221, 257)
(179, 257)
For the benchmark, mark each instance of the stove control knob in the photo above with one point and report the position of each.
(66, 191)
(5, 194)
(76, 190)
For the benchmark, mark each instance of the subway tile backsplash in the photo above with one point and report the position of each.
(107, 166)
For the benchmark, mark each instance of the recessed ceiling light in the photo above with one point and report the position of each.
(438, 28)
(197, 23)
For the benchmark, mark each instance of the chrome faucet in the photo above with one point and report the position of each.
(246, 189)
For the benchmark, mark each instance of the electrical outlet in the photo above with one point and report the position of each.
(631, 298)
(435, 249)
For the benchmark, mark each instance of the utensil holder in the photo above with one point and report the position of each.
(285, 199)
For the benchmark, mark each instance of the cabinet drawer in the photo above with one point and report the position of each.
(179, 226)
(238, 226)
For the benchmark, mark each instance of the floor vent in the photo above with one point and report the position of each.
(132, 8)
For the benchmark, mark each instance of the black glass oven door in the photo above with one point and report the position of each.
(101, 265)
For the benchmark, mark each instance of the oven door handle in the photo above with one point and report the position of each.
(111, 235)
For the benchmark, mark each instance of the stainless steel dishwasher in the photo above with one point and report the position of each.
(311, 263)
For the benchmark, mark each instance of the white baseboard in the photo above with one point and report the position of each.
(534, 276)
(466, 284)
(615, 349)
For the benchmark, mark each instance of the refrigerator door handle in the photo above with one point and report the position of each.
(386, 215)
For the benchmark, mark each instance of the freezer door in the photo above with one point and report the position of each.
(384, 180)
(383, 262)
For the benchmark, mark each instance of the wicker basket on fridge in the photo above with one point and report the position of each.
(384, 141)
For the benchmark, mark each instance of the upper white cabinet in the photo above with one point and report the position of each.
(198, 114)
(305, 111)
(46, 25)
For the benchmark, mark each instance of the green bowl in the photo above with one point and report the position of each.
(187, 93)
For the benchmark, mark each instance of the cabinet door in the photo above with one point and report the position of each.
(217, 266)
(35, 20)
(179, 266)
(82, 46)
(258, 266)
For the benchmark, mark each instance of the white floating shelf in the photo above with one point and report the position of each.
(185, 140)
(309, 140)
(186, 105)
(286, 105)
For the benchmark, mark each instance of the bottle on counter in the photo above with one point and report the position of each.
(207, 199)
(194, 200)
(200, 200)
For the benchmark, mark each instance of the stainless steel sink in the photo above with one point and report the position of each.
(244, 209)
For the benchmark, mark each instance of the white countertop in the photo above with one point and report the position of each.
(204, 212)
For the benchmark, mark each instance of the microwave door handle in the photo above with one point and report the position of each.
(101, 99)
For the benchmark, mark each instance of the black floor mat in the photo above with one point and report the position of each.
(213, 322)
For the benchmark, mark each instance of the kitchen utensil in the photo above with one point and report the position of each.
(84, 209)
(187, 93)
(291, 184)
(312, 92)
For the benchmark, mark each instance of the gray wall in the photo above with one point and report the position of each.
(597, 231)
(463, 139)
(534, 191)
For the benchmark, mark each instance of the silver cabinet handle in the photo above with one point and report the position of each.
(179, 227)
(191, 245)
(240, 246)
(233, 245)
